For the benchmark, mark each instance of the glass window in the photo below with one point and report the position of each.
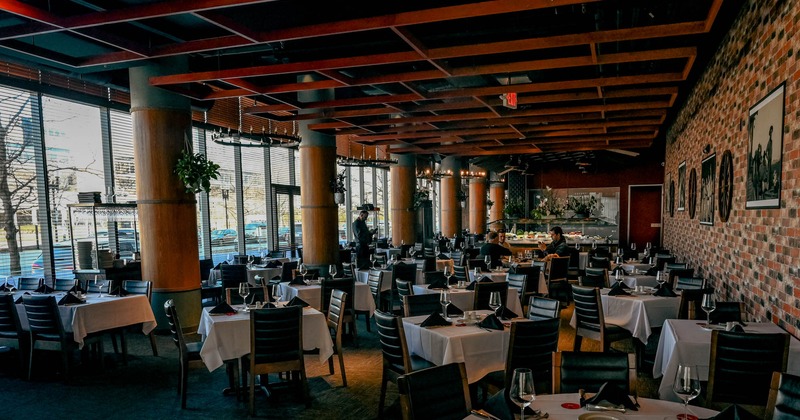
(279, 160)
(369, 191)
(222, 200)
(255, 201)
(355, 187)
(122, 156)
(342, 212)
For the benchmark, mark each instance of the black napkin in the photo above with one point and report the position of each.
(297, 281)
(738, 328)
(483, 279)
(507, 314)
(438, 284)
(77, 288)
(617, 290)
(652, 271)
(491, 322)
(612, 394)
(734, 412)
(434, 320)
(442, 257)
(19, 300)
(296, 301)
(454, 310)
(665, 290)
(619, 269)
(117, 289)
(269, 305)
(44, 289)
(7, 288)
(217, 267)
(471, 285)
(70, 299)
(273, 264)
(222, 308)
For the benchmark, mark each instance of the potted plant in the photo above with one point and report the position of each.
(461, 196)
(550, 205)
(489, 203)
(583, 206)
(421, 195)
(337, 185)
(195, 171)
(515, 208)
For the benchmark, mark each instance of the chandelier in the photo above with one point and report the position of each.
(351, 161)
(472, 174)
(435, 174)
(268, 137)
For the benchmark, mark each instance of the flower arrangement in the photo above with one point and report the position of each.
(549, 204)
(584, 205)
(514, 207)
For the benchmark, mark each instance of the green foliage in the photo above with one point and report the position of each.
(583, 204)
(337, 185)
(515, 207)
(195, 171)
(420, 195)
(461, 195)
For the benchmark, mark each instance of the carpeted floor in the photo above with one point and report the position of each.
(146, 387)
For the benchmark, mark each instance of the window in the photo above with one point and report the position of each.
(222, 200)
(122, 157)
(255, 202)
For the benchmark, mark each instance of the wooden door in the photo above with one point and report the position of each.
(644, 215)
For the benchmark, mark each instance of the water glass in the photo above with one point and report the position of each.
(495, 302)
(686, 386)
(709, 304)
(522, 392)
(332, 270)
(444, 300)
(276, 293)
(244, 292)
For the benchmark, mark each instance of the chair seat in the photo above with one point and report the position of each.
(8, 334)
(615, 332)
(193, 350)
(417, 363)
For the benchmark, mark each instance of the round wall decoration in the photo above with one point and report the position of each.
(692, 193)
(671, 198)
(725, 185)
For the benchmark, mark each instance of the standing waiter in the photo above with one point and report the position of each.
(363, 239)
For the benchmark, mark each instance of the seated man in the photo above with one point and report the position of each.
(493, 250)
(558, 246)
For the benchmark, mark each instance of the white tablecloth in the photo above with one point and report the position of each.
(362, 276)
(481, 351)
(215, 275)
(636, 280)
(100, 314)
(650, 409)
(629, 267)
(495, 276)
(637, 314)
(685, 342)
(464, 299)
(228, 337)
(362, 300)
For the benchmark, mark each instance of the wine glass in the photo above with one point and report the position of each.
(250, 260)
(230, 258)
(244, 292)
(488, 260)
(522, 392)
(660, 279)
(594, 244)
(276, 293)
(437, 250)
(332, 270)
(633, 246)
(448, 273)
(494, 301)
(372, 260)
(303, 270)
(476, 274)
(444, 300)
(98, 284)
(686, 386)
(709, 304)
(618, 278)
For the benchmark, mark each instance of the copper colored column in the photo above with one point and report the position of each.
(451, 207)
(497, 193)
(477, 205)
(404, 179)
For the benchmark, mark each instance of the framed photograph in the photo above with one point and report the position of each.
(682, 186)
(707, 171)
(765, 154)
(667, 198)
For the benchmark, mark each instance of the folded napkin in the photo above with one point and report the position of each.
(734, 412)
(665, 290)
(619, 269)
(70, 299)
(617, 290)
(471, 285)
(297, 281)
(19, 300)
(117, 289)
(652, 271)
(269, 305)
(44, 289)
(438, 284)
(222, 308)
(273, 264)
(483, 279)
(442, 257)
(7, 288)
(434, 320)
(454, 310)
(217, 267)
(77, 288)
(507, 314)
(296, 301)
(738, 328)
(610, 394)
(491, 322)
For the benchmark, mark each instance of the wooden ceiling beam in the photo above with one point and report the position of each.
(435, 133)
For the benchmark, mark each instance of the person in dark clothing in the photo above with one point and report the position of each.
(494, 250)
(558, 246)
(363, 239)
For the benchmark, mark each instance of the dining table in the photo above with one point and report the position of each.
(638, 313)
(227, 337)
(481, 350)
(311, 294)
(267, 273)
(567, 407)
(464, 299)
(98, 313)
(502, 275)
(688, 342)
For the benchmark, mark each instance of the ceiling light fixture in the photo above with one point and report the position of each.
(268, 137)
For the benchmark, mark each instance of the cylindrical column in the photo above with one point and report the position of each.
(403, 176)
(477, 202)
(497, 193)
(167, 214)
(451, 207)
(319, 211)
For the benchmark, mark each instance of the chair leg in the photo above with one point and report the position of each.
(252, 392)
(330, 364)
(304, 383)
(577, 345)
(383, 396)
(184, 383)
(30, 359)
(124, 341)
(341, 367)
(153, 344)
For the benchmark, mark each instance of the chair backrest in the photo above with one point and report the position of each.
(477, 262)
(436, 276)
(393, 341)
(588, 309)
(336, 310)
(206, 265)
(43, 317)
(599, 262)
(404, 288)
(691, 299)
(345, 284)
(595, 277)
(600, 251)
(675, 265)
(407, 272)
(517, 281)
(676, 273)
(784, 397)
(233, 274)
(102, 285)
(590, 370)
(275, 335)
(138, 287)
(348, 270)
(685, 283)
(532, 274)
(559, 266)
(287, 270)
(257, 294)
(540, 308)
(175, 328)
(380, 259)
(744, 358)
(460, 273)
(457, 257)
(424, 304)
(440, 392)
(28, 283)
(374, 283)
(428, 252)
(9, 319)
(663, 259)
(63, 285)
(727, 311)
(531, 346)
(574, 257)
(483, 290)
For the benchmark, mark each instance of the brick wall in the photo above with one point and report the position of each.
(755, 256)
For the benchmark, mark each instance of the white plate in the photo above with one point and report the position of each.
(601, 416)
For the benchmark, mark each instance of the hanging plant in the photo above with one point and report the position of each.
(489, 203)
(420, 196)
(195, 171)
(461, 195)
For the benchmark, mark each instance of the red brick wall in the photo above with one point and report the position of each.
(755, 256)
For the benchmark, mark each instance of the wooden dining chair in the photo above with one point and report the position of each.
(11, 332)
(188, 352)
(686, 283)
(337, 309)
(784, 397)
(727, 311)
(542, 308)
(690, 303)
(599, 262)
(276, 345)
(744, 358)
(374, 280)
(484, 290)
(595, 277)
(590, 321)
(424, 304)
(347, 285)
(519, 282)
(676, 273)
(460, 273)
(556, 276)
(439, 392)
(573, 371)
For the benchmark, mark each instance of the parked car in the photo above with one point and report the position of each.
(223, 236)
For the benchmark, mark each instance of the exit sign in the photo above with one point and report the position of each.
(509, 100)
